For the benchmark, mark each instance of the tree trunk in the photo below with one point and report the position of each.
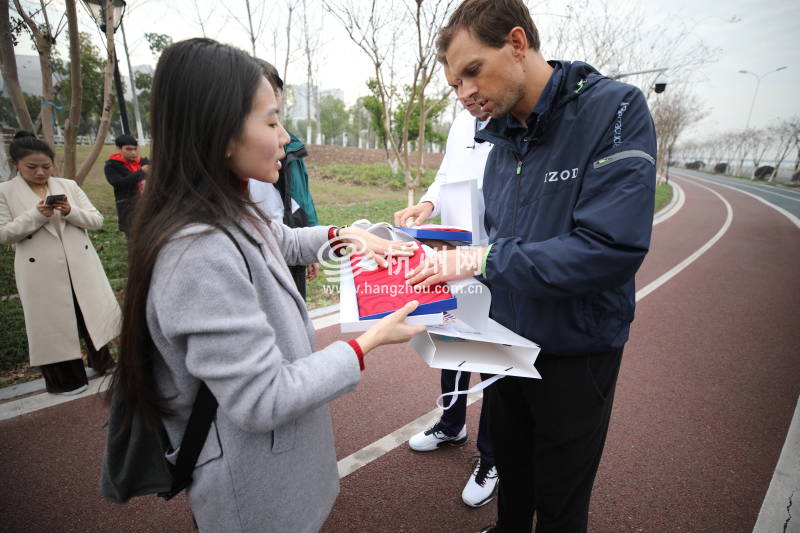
(105, 118)
(74, 118)
(44, 47)
(5, 168)
(8, 63)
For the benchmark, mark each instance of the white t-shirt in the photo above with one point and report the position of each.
(268, 199)
(464, 159)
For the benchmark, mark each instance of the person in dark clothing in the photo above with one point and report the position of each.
(569, 190)
(288, 199)
(126, 172)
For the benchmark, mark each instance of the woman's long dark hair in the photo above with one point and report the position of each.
(202, 92)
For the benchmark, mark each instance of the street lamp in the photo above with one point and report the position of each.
(758, 83)
(660, 84)
(97, 8)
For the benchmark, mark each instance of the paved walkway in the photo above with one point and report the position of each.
(707, 391)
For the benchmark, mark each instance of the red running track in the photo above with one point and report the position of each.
(707, 388)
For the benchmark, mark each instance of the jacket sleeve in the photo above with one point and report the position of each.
(119, 176)
(82, 213)
(300, 246)
(432, 194)
(204, 304)
(611, 222)
(301, 192)
(13, 230)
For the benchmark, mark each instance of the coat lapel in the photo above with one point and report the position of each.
(276, 263)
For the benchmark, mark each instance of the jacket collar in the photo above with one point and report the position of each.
(270, 251)
(569, 80)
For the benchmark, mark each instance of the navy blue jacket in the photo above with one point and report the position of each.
(569, 210)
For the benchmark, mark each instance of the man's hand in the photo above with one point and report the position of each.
(312, 272)
(421, 211)
(447, 265)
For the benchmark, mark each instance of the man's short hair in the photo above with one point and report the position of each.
(271, 73)
(489, 21)
(125, 140)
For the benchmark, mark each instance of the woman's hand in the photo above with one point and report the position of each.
(391, 329)
(63, 206)
(447, 265)
(46, 210)
(312, 272)
(376, 248)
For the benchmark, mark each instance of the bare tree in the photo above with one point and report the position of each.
(202, 20)
(290, 7)
(76, 91)
(762, 141)
(44, 39)
(253, 32)
(672, 114)
(8, 63)
(377, 31)
(787, 132)
(105, 117)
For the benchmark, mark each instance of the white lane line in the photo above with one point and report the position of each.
(793, 219)
(674, 271)
(675, 205)
(779, 509)
(384, 445)
(765, 188)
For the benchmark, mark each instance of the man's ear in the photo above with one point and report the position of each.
(518, 41)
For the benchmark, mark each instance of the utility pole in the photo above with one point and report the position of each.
(136, 112)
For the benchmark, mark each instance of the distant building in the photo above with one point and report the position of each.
(297, 109)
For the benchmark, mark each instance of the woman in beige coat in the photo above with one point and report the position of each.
(61, 283)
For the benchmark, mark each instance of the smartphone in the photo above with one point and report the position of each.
(53, 198)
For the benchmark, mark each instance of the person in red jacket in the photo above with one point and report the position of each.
(126, 172)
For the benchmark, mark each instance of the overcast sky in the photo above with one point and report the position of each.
(763, 37)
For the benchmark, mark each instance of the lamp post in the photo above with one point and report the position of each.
(755, 94)
(97, 8)
(660, 84)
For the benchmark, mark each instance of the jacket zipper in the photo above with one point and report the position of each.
(517, 178)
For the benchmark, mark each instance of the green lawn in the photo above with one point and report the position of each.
(342, 193)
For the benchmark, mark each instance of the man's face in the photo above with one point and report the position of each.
(469, 103)
(491, 77)
(129, 152)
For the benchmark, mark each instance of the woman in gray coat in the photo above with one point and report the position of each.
(192, 314)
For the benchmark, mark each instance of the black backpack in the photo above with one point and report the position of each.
(135, 463)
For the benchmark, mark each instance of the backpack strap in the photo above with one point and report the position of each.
(203, 413)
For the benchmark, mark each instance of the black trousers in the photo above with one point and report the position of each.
(299, 277)
(548, 436)
(453, 419)
(70, 375)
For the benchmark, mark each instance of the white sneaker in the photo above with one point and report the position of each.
(73, 392)
(433, 438)
(481, 486)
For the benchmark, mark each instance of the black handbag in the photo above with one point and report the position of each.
(135, 463)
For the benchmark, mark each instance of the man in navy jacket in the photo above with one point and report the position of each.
(569, 191)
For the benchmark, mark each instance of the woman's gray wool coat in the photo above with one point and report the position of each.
(269, 463)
